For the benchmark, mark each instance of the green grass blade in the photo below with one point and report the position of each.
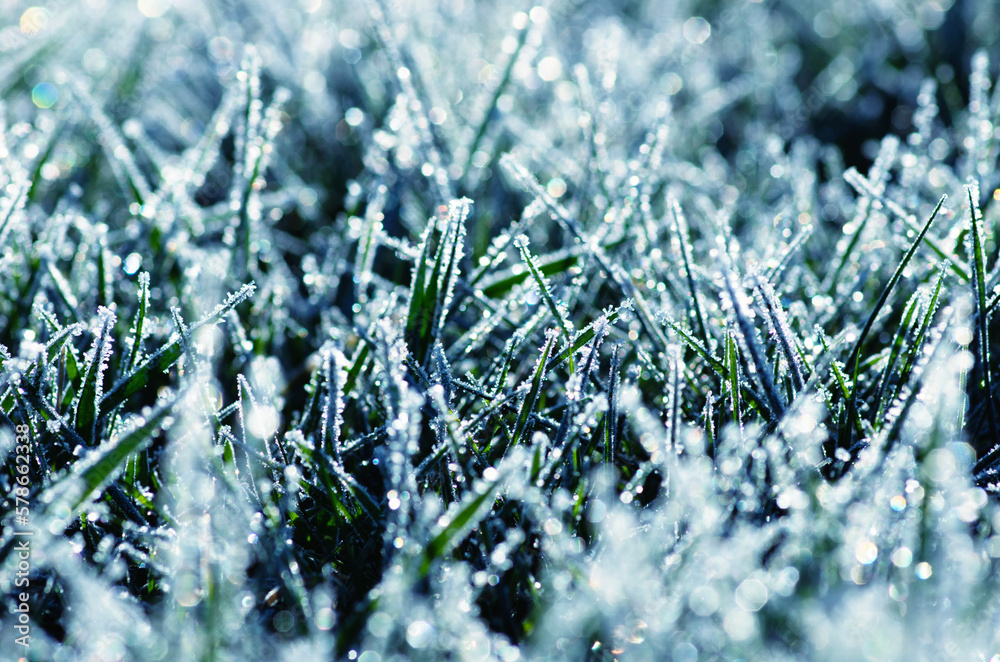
(88, 405)
(58, 341)
(755, 400)
(780, 330)
(611, 417)
(715, 364)
(423, 291)
(489, 109)
(63, 289)
(680, 227)
(357, 365)
(907, 329)
(863, 186)
(854, 361)
(553, 263)
(748, 335)
(364, 260)
(469, 511)
(138, 328)
(332, 418)
(508, 356)
(978, 260)
(558, 313)
(589, 332)
(577, 384)
(733, 368)
(103, 277)
(531, 398)
(96, 470)
(454, 250)
(165, 357)
(913, 353)
(674, 398)
(617, 275)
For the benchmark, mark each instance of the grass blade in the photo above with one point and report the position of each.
(89, 403)
(458, 524)
(166, 356)
(905, 332)
(558, 313)
(680, 226)
(673, 398)
(780, 331)
(733, 368)
(748, 335)
(913, 353)
(611, 417)
(103, 463)
(855, 357)
(978, 260)
(534, 388)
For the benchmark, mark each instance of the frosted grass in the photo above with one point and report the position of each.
(552, 332)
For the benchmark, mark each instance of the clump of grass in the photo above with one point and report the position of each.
(600, 341)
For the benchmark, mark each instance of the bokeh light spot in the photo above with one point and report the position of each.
(44, 95)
